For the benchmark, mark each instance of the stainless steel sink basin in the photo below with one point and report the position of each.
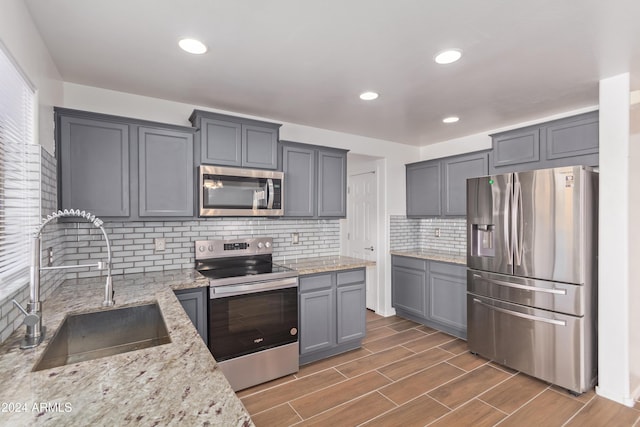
(89, 336)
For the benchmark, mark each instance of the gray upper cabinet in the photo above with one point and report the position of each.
(315, 180)
(299, 166)
(93, 165)
(123, 168)
(332, 182)
(165, 172)
(564, 142)
(235, 141)
(438, 187)
(456, 170)
(423, 189)
(521, 146)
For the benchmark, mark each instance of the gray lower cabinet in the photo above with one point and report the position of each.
(236, 141)
(438, 188)
(121, 168)
(315, 181)
(165, 173)
(93, 165)
(430, 292)
(563, 142)
(194, 302)
(332, 313)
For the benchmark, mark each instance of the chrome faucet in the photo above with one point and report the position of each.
(33, 314)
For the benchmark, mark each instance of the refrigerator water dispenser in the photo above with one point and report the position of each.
(482, 240)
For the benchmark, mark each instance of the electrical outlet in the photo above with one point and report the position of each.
(160, 243)
(49, 257)
(437, 232)
(295, 238)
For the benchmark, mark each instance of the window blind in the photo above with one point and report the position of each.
(19, 176)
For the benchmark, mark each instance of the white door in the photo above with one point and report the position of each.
(362, 226)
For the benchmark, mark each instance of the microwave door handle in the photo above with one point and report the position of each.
(270, 193)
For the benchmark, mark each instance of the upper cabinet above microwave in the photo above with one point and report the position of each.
(235, 141)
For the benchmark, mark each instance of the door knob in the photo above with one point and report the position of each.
(369, 249)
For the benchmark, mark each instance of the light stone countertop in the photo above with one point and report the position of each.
(324, 263)
(178, 383)
(433, 256)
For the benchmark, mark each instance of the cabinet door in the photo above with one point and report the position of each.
(447, 295)
(94, 166)
(575, 136)
(298, 165)
(408, 290)
(456, 171)
(259, 147)
(165, 172)
(423, 189)
(351, 301)
(194, 302)
(221, 142)
(317, 320)
(518, 146)
(332, 184)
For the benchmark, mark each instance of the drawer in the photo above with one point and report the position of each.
(315, 282)
(448, 269)
(407, 262)
(352, 276)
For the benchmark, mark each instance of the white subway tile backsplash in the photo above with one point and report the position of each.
(409, 233)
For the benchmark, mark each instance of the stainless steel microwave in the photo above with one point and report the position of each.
(228, 191)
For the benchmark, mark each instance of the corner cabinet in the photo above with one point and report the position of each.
(332, 313)
(564, 142)
(194, 302)
(438, 188)
(120, 168)
(235, 141)
(430, 292)
(315, 181)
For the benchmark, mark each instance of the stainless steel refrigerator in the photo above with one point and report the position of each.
(532, 273)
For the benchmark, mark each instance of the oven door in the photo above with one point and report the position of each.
(248, 318)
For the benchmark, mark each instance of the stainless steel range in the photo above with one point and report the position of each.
(253, 310)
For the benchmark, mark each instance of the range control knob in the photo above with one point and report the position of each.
(201, 248)
(210, 248)
(267, 244)
(260, 245)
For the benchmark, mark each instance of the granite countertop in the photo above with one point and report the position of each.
(176, 383)
(324, 263)
(433, 255)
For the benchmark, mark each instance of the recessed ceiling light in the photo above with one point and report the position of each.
(368, 96)
(448, 56)
(192, 46)
(451, 119)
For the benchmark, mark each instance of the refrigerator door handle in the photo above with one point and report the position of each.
(508, 208)
(522, 315)
(518, 222)
(523, 287)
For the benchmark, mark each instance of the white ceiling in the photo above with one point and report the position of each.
(306, 61)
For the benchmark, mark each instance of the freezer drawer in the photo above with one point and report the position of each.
(553, 347)
(553, 296)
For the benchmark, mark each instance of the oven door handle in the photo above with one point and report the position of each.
(231, 290)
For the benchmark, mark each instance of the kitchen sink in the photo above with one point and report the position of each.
(103, 333)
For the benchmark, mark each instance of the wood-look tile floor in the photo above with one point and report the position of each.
(407, 374)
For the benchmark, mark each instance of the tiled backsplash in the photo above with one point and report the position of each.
(409, 233)
(52, 237)
(132, 243)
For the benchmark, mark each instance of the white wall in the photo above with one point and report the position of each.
(20, 37)
(613, 275)
(634, 252)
